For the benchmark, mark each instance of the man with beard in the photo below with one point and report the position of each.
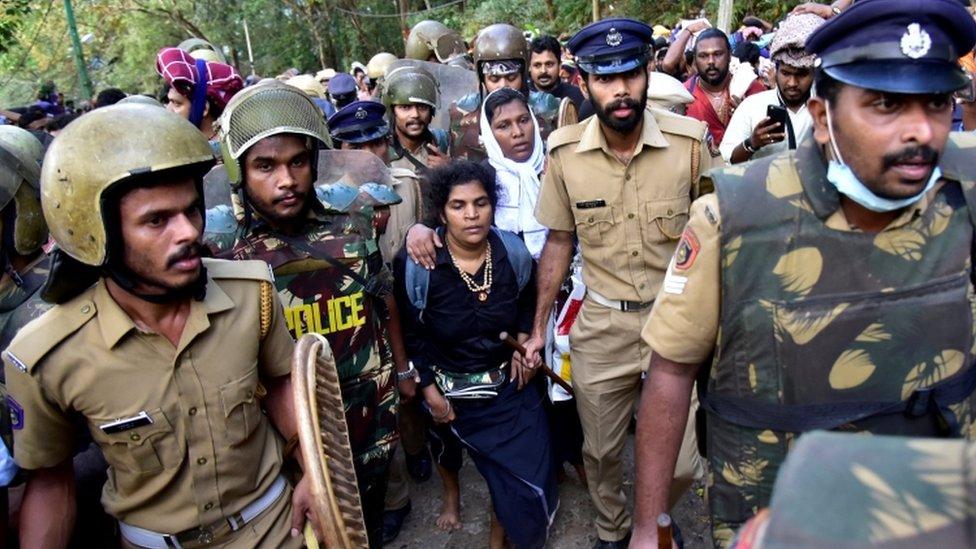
(764, 278)
(713, 103)
(161, 354)
(327, 265)
(411, 96)
(621, 182)
(544, 70)
(754, 134)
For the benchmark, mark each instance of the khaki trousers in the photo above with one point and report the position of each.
(608, 357)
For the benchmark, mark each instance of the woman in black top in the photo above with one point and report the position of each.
(482, 284)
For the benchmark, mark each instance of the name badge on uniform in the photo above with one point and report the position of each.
(126, 423)
(591, 204)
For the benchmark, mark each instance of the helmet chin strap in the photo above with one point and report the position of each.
(128, 280)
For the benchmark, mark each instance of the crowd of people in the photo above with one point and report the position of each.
(520, 248)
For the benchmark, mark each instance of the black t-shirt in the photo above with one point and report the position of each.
(458, 333)
(561, 90)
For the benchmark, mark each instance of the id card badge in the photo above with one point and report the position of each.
(124, 424)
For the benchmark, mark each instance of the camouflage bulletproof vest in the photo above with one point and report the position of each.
(319, 298)
(826, 329)
(466, 126)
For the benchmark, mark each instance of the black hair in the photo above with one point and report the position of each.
(746, 52)
(501, 97)
(59, 122)
(548, 43)
(827, 87)
(109, 96)
(753, 21)
(709, 34)
(440, 181)
(689, 57)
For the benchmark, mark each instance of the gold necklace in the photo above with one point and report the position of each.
(482, 290)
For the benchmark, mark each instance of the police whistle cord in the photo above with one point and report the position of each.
(516, 346)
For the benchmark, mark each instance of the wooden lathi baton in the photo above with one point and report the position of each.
(664, 531)
(516, 346)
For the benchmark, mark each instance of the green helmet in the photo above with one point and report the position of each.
(198, 48)
(20, 172)
(433, 38)
(266, 109)
(407, 85)
(376, 68)
(102, 149)
(500, 42)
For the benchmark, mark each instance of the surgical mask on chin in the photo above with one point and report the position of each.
(843, 178)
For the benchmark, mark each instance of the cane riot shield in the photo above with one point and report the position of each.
(453, 82)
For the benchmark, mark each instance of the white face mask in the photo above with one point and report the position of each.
(847, 183)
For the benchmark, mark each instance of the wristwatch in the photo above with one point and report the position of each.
(747, 145)
(411, 373)
(835, 9)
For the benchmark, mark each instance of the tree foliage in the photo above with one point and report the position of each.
(121, 37)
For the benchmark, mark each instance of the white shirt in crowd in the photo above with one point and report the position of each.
(750, 113)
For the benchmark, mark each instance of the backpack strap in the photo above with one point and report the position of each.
(518, 256)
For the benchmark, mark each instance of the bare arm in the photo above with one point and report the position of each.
(407, 388)
(47, 513)
(553, 266)
(676, 51)
(661, 421)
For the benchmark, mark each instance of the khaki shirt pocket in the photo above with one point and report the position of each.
(242, 411)
(666, 218)
(594, 226)
(141, 450)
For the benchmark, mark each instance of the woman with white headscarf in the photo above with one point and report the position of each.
(515, 150)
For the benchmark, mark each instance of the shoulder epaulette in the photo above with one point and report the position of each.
(566, 135)
(245, 270)
(677, 124)
(45, 332)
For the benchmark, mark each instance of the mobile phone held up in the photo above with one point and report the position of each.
(778, 114)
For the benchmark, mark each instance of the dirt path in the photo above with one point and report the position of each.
(573, 528)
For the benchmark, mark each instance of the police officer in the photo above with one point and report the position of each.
(342, 90)
(621, 182)
(849, 490)
(357, 124)
(137, 348)
(832, 284)
(327, 266)
(376, 71)
(501, 60)
(435, 42)
(411, 97)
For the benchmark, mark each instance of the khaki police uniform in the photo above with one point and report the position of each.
(628, 218)
(685, 320)
(209, 450)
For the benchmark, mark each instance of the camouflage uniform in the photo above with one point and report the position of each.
(802, 344)
(845, 490)
(319, 298)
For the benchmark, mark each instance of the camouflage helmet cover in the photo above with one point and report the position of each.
(128, 140)
(432, 37)
(266, 109)
(20, 172)
(407, 85)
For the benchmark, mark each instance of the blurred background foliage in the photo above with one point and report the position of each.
(121, 37)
